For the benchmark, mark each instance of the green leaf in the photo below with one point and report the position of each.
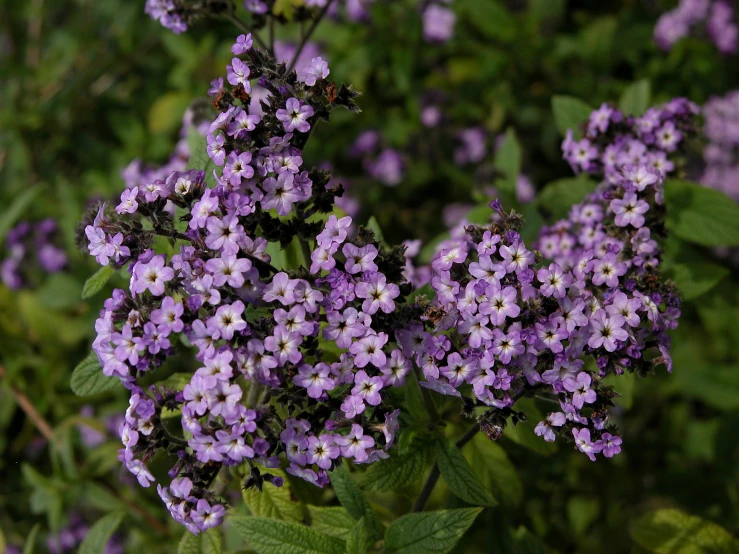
(88, 378)
(428, 532)
(397, 471)
(100, 533)
(701, 215)
(459, 475)
(623, 385)
(358, 541)
(582, 511)
(526, 543)
(508, 161)
(496, 471)
(557, 197)
(285, 8)
(30, 545)
(271, 536)
(332, 520)
(95, 283)
(9, 216)
(694, 272)
(207, 542)
(165, 114)
(273, 502)
(523, 433)
(570, 113)
(671, 531)
(635, 99)
(60, 291)
(197, 144)
(489, 17)
(373, 225)
(351, 497)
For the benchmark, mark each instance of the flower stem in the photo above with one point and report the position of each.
(307, 35)
(428, 486)
(244, 27)
(305, 248)
(428, 401)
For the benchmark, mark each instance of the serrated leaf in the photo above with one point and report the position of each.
(396, 471)
(459, 475)
(88, 378)
(671, 531)
(358, 541)
(100, 533)
(12, 213)
(274, 502)
(508, 161)
(495, 469)
(635, 99)
(570, 113)
(271, 536)
(426, 532)
(352, 498)
(94, 284)
(332, 520)
(207, 542)
(557, 197)
(701, 215)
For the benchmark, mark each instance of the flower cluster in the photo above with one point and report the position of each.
(510, 326)
(613, 140)
(722, 152)
(30, 247)
(287, 361)
(717, 16)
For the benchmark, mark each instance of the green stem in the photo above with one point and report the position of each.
(305, 248)
(307, 35)
(428, 400)
(244, 27)
(428, 486)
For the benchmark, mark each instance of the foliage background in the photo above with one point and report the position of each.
(88, 85)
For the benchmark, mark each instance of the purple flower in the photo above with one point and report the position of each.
(378, 294)
(238, 74)
(438, 23)
(228, 321)
(295, 116)
(368, 350)
(242, 45)
(544, 428)
(318, 69)
(584, 444)
(367, 388)
(359, 259)
(128, 204)
(607, 330)
(629, 211)
(315, 378)
(355, 444)
(610, 445)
